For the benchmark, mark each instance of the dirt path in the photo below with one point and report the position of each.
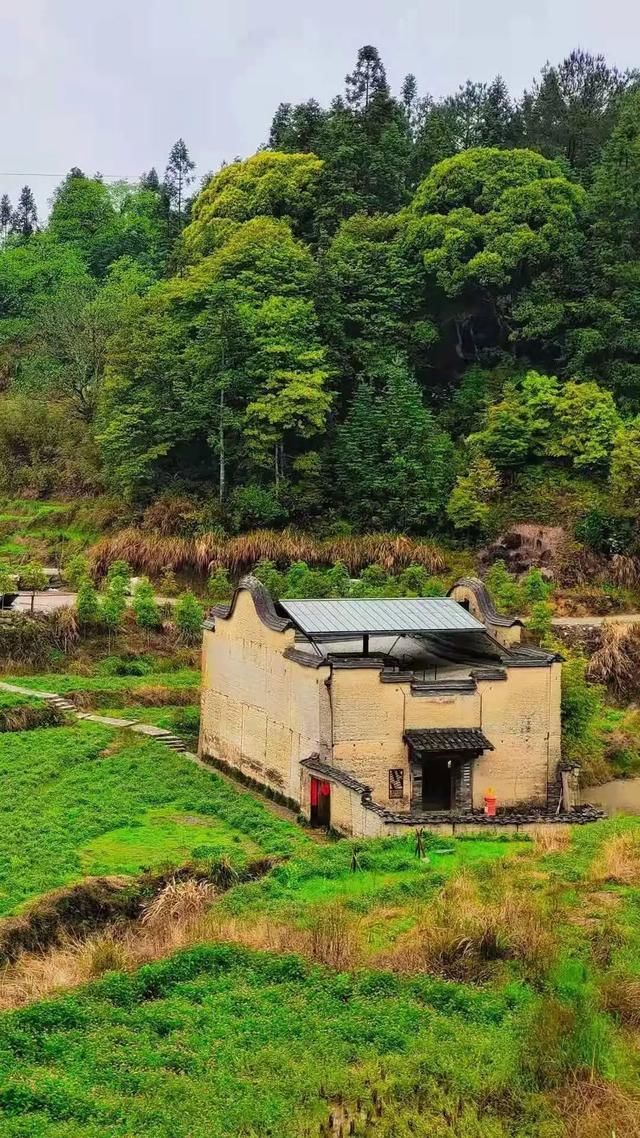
(595, 621)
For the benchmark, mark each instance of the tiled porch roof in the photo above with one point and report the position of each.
(449, 739)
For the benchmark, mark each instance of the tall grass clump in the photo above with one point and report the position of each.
(616, 663)
(152, 553)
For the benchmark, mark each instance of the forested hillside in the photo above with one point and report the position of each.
(401, 314)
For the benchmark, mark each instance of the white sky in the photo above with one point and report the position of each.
(110, 87)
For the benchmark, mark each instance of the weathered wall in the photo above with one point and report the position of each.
(261, 712)
(519, 715)
(264, 714)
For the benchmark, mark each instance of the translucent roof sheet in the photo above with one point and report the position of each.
(396, 615)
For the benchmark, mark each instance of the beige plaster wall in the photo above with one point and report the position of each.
(521, 717)
(368, 722)
(261, 712)
(370, 719)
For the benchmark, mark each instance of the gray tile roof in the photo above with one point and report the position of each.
(344, 617)
(449, 739)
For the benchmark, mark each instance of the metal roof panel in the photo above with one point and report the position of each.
(357, 616)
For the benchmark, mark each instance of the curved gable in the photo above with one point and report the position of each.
(262, 602)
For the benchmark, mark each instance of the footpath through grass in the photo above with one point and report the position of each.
(84, 800)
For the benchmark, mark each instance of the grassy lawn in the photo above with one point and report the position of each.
(488, 989)
(65, 682)
(64, 789)
(221, 1041)
(42, 530)
(164, 835)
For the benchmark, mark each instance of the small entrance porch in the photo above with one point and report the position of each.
(441, 762)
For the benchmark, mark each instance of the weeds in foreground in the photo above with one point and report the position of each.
(180, 902)
(463, 934)
(618, 861)
(621, 997)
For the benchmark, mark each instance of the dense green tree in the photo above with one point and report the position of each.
(498, 230)
(368, 80)
(6, 214)
(392, 461)
(24, 221)
(297, 129)
(70, 333)
(145, 607)
(625, 464)
(468, 506)
(369, 295)
(87, 603)
(571, 110)
(604, 340)
(189, 614)
(33, 578)
(178, 176)
(268, 184)
(161, 409)
(290, 374)
(83, 215)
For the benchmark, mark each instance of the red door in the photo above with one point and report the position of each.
(320, 802)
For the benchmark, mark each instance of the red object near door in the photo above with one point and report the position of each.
(490, 801)
(320, 800)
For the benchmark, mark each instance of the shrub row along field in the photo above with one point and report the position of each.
(82, 800)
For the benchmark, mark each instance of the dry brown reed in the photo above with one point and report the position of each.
(616, 663)
(552, 840)
(618, 861)
(462, 935)
(592, 1108)
(333, 937)
(179, 902)
(621, 997)
(138, 695)
(152, 553)
(624, 571)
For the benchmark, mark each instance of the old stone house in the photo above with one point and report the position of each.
(369, 715)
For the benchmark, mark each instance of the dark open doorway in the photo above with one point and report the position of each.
(437, 783)
(320, 802)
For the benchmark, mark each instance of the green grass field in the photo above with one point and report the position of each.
(489, 989)
(84, 800)
(43, 530)
(64, 682)
(221, 1041)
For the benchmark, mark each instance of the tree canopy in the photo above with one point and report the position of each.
(399, 313)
